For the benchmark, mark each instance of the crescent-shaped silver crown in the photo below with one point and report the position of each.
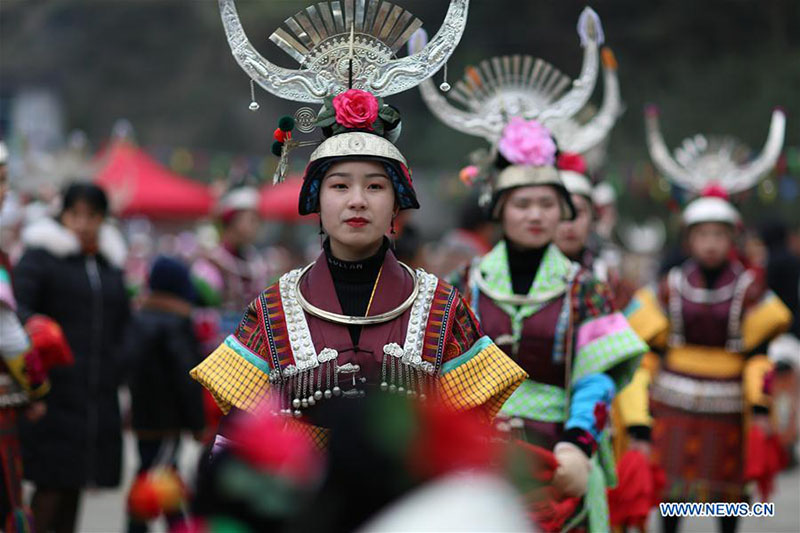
(701, 161)
(498, 88)
(345, 44)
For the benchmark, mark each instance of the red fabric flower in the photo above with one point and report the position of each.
(571, 161)
(600, 415)
(356, 109)
(714, 190)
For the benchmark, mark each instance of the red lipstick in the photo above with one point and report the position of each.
(357, 222)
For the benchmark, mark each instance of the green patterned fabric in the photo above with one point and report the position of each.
(536, 401)
(552, 277)
(620, 351)
(594, 509)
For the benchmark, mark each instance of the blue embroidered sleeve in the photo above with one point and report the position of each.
(591, 403)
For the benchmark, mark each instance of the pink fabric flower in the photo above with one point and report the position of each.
(356, 109)
(468, 175)
(527, 142)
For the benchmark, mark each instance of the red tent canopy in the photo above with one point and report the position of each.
(137, 184)
(279, 202)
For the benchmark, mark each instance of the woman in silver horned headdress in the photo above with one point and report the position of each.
(710, 319)
(551, 315)
(356, 322)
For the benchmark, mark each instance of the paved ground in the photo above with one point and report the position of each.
(102, 511)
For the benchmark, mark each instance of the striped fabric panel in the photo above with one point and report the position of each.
(274, 321)
(249, 333)
(439, 324)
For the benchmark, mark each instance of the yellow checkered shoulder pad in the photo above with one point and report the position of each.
(234, 376)
(483, 377)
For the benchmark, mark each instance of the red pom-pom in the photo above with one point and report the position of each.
(279, 135)
(290, 455)
(48, 339)
(571, 161)
(143, 500)
(715, 190)
(449, 441)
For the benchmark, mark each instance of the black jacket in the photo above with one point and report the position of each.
(78, 442)
(163, 349)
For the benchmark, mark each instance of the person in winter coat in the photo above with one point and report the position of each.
(163, 349)
(70, 272)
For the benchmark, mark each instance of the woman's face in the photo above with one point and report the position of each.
(84, 221)
(572, 235)
(710, 243)
(356, 205)
(531, 215)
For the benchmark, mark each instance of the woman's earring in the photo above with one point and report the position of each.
(393, 231)
(321, 231)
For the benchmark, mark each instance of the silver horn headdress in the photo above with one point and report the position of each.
(703, 161)
(345, 44)
(704, 165)
(482, 102)
(347, 54)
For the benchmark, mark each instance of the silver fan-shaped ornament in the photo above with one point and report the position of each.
(345, 44)
(701, 161)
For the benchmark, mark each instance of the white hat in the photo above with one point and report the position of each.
(710, 209)
(239, 199)
(576, 183)
(604, 194)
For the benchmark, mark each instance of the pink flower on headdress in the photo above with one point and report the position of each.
(356, 109)
(527, 142)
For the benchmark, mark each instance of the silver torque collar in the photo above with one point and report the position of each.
(356, 320)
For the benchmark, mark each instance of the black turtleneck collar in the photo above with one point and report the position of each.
(523, 263)
(354, 281)
(363, 271)
(712, 275)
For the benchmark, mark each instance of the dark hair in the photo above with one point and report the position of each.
(93, 195)
(471, 215)
(170, 275)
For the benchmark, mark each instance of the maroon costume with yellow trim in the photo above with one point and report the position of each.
(434, 347)
(711, 374)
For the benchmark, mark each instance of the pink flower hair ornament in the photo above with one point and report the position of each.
(356, 109)
(359, 110)
(527, 142)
